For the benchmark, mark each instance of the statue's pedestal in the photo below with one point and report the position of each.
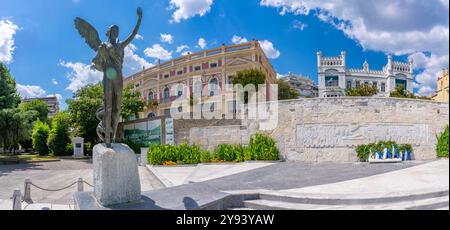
(116, 175)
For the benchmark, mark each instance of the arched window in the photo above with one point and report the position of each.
(213, 87)
(166, 95)
(151, 96)
(198, 88)
(180, 90)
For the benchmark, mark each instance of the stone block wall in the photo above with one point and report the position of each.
(316, 130)
(329, 129)
(184, 133)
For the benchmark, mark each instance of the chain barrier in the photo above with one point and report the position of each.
(88, 184)
(54, 190)
(18, 198)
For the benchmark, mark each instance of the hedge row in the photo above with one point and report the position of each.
(261, 147)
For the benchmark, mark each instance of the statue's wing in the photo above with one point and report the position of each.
(89, 33)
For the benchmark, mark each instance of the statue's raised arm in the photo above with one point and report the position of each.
(89, 33)
(136, 29)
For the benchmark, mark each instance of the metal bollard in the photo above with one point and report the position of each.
(80, 184)
(27, 190)
(17, 200)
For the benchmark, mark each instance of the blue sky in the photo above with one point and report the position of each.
(47, 56)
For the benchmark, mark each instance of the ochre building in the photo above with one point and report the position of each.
(442, 88)
(207, 72)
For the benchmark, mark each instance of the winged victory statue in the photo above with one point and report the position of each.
(109, 60)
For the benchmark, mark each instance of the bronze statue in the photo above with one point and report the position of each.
(109, 60)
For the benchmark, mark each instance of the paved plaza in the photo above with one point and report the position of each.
(203, 184)
(55, 175)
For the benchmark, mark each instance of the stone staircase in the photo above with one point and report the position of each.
(436, 200)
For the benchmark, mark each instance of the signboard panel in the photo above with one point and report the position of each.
(144, 133)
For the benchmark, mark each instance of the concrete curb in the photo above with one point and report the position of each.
(164, 181)
(341, 199)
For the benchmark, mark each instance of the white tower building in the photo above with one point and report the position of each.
(335, 77)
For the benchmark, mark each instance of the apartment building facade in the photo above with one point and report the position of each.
(52, 102)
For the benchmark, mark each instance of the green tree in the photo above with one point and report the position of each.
(40, 135)
(14, 128)
(286, 92)
(249, 77)
(59, 136)
(9, 98)
(39, 108)
(35, 110)
(82, 109)
(362, 91)
(401, 92)
(132, 103)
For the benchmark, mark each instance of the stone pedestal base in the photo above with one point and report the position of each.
(116, 175)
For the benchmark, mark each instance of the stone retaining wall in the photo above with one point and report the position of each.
(329, 129)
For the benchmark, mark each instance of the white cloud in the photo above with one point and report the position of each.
(299, 25)
(185, 9)
(202, 43)
(80, 75)
(279, 75)
(132, 62)
(430, 68)
(403, 27)
(7, 31)
(139, 37)
(30, 91)
(269, 49)
(157, 51)
(181, 48)
(186, 53)
(267, 46)
(167, 38)
(238, 40)
(54, 81)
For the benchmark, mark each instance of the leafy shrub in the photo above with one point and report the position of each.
(182, 154)
(69, 149)
(442, 144)
(230, 153)
(87, 148)
(189, 154)
(364, 151)
(59, 134)
(40, 135)
(362, 91)
(205, 156)
(261, 147)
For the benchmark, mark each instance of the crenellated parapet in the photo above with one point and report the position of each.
(331, 61)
